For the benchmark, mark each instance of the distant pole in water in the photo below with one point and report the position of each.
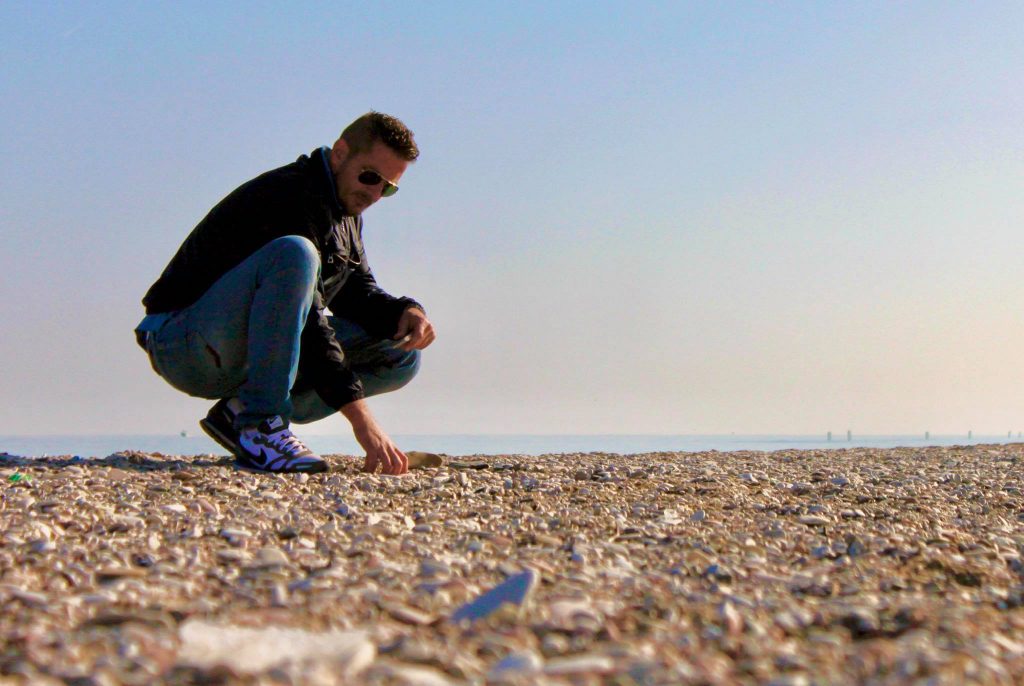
(927, 435)
(970, 435)
(829, 436)
(849, 435)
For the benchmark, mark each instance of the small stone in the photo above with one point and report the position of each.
(855, 547)
(815, 520)
(106, 574)
(575, 615)
(271, 557)
(698, 516)
(516, 666)
(554, 644)
(231, 555)
(30, 598)
(408, 615)
(731, 617)
(579, 664)
(43, 547)
(431, 567)
(416, 676)
(234, 533)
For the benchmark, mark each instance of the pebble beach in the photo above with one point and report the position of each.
(848, 566)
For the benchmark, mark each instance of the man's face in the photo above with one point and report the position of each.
(357, 196)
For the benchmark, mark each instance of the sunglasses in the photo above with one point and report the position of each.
(368, 177)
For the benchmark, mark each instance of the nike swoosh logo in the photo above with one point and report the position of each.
(264, 459)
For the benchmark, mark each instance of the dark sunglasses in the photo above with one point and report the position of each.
(368, 177)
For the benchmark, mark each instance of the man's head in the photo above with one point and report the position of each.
(369, 158)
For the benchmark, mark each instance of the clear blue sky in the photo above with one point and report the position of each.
(627, 217)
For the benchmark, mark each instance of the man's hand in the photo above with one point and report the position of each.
(414, 325)
(380, 450)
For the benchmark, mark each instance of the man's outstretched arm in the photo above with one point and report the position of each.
(380, 450)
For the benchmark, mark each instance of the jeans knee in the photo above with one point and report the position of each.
(398, 372)
(409, 366)
(295, 251)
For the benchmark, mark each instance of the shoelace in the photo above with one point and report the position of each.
(286, 442)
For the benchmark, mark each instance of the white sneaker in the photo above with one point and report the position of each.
(271, 447)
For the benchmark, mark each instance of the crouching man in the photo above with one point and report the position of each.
(240, 312)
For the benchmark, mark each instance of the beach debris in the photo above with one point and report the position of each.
(514, 591)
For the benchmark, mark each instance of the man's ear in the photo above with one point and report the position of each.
(339, 151)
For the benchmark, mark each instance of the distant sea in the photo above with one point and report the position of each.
(101, 446)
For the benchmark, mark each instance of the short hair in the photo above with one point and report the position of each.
(361, 134)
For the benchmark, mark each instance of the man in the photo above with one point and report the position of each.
(240, 312)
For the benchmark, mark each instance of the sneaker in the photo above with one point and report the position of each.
(219, 423)
(271, 447)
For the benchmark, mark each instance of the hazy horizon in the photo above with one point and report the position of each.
(675, 218)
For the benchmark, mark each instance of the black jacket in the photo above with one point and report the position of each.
(298, 199)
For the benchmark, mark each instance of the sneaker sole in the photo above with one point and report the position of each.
(243, 463)
(216, 435)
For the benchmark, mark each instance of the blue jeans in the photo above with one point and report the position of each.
(241, 339)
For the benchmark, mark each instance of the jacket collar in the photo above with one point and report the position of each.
(337, 208)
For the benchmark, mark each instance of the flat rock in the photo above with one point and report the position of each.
(421, 460)
(246, 650)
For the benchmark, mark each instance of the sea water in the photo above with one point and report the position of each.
(452, 444)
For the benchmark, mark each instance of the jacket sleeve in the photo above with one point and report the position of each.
(322, 361)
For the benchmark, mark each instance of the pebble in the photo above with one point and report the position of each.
(579, 664)
(271, 556)
(516, 666)
(430, 567)
(815, 520)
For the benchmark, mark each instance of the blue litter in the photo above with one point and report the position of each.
(512, 591)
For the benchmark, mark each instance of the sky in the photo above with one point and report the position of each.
(679, 217)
